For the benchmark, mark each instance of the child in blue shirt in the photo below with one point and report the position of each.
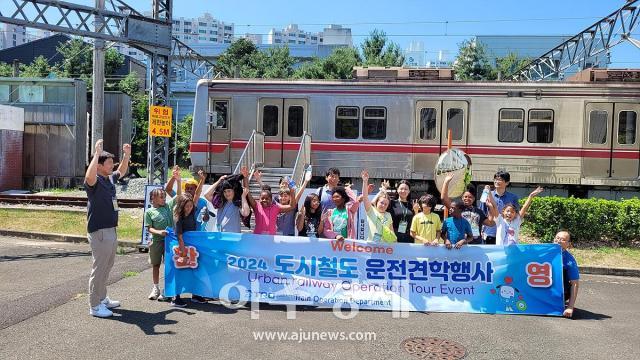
(456, 230)
(570, 272)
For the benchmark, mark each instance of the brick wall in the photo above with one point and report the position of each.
(10, 159)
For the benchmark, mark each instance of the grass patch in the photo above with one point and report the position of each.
(60, 190)
(608, 257)
(64, 222)
(129, 274)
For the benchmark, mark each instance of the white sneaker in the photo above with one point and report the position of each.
(110, 304)
(155, 293)
(100, 311)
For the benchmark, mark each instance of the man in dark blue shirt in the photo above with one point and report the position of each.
(102, 216)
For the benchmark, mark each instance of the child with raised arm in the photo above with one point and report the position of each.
(426, 227)
(509, 221)
(266, 210)
(380, 221)
(157, 220)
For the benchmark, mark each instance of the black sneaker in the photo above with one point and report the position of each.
(198, 299)
(178, 302)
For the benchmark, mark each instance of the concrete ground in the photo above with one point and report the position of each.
(44, 315)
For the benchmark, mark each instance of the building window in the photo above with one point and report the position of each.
(428, 123)
(301, 36)
(221, 113)
(627, 127)
(187, 23)
(314, 38)
(204, 38)
(455, 123)
(374, 123)
(347, 122)
(227, 41)
(598, 127)
(292, 41)
(213, 32)
(300, 42)
(202, 24)
(213, 39)
(228, 28)
(540, 126)
(187, 30)
(511, 125)
(295, 121)
(201, 31)
(277, 41)
(270, 120)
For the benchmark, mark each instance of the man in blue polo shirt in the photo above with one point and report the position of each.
(102, 216)
(570, 273)
(502, 197)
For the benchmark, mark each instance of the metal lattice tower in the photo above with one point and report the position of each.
(594, 40)
(121, 23)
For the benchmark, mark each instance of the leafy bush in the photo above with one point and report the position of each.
(588, 220)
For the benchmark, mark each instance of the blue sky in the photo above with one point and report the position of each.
(440, 25)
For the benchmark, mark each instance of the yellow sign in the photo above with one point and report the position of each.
(160, 121)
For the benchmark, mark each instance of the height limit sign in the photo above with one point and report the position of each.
(160, 121)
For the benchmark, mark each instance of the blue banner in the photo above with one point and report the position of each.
(521, 279)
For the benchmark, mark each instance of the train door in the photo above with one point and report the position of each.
(625, 142)
(283, 122)
(454, 117)
(596, 160)
(428, 121)
(219, 133)
(611, 141)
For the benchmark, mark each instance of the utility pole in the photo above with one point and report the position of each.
(97, 96)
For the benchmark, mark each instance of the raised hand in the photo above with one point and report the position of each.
(448, 178)
(258, 176)
(537, 191)
(365, 176)
(244, 171)
(99, 147)
(416, 206)
(245, 191)
(385, 184)
(126, 148)
(176, 172)
(202, 175)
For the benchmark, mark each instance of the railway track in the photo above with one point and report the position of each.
(63, 201)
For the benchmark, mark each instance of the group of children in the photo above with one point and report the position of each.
(331, 210)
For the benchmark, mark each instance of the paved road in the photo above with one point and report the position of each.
(39, 275)
(606, 327)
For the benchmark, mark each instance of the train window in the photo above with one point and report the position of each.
(295, 121)
(347, 122)
(221, 111)
(540, 126)
(511, 125)
(374, 123)
(627, 127)
(598, 127)
(428, 123)
(270, 120)
(455, 123)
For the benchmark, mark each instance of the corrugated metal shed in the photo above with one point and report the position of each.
(55, 129)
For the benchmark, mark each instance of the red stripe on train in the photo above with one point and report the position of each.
(424, 149)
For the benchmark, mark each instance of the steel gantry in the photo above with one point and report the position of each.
(596, 39)
(119, 22)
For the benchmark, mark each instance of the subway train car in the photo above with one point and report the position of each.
(579, 139)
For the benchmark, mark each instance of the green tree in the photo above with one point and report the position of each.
(277, 63)
(239, 60)
(378, 50)
(184, 139)
(6, 70)
(472, 62)
(509, 64)
(77, 62)
(338, 65)
(39, 68)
